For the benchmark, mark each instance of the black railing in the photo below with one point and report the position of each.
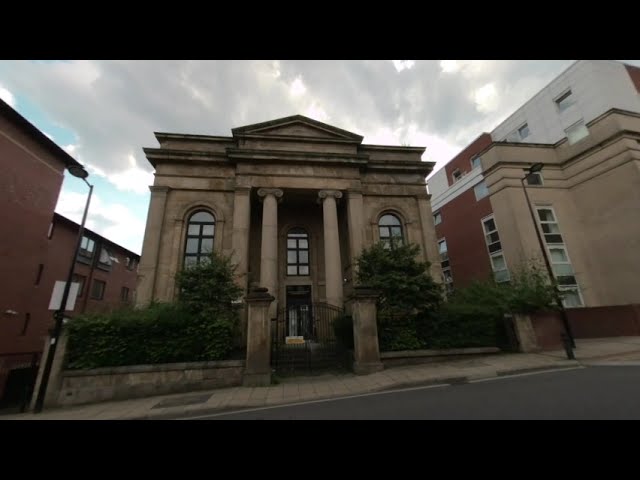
(303, 338)
(18, 373)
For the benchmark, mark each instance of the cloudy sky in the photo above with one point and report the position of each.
(104, 112)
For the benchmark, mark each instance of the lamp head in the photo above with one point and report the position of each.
(536, 167)
(78, 171)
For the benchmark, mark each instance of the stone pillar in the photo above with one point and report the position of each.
(365, 331)
(332, 263)
(355, 217)
(240, 235)
(526, 334)
(55, 375)
(429, 241)
(257, 371)
(147, 269)
(269, 244)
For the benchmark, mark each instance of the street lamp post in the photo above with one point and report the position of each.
(80, 172)
(536, 167)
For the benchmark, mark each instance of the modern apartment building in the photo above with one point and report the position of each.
(584, 128)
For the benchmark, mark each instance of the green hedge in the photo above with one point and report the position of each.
(452, 326)
(161, 333)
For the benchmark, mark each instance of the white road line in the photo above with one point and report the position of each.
(324, 400)
(537, 372)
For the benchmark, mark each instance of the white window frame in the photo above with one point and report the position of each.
(448, 282)
(568, 93)
(473, 159)
(536, 174)
(558, 246)
(519, 130)
(475, 191)
(436, 216)
(497, 253)
(579, 123)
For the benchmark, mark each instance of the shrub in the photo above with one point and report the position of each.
(201, 326)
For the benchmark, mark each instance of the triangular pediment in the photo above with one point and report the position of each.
(298, 126)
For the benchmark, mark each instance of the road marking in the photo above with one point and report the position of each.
(537, 372)
(323, 400)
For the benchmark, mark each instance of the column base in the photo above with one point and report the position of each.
(367, 368)
(256, 379)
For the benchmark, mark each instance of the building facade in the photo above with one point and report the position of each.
(293, 201)
(584, 128)
(37, 246)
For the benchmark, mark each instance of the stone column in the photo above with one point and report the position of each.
(365, 331)
(148, 266)
(526, 334)
(257, 371)
(332, 263)
(429, 241)
(269, 245)
(355, 217)
(240, 235)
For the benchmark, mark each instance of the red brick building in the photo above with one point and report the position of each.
(36, 245)
(458, 217)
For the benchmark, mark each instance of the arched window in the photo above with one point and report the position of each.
(297, 252)
(200, 233)
(390, 229)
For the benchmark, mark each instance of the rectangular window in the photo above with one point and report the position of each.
(559, 258)
(39, 274)
(437, 218)
(87, 246)
(444, 263)
(494, 246)
(105, 260)
(565, 100)
(27, 319)
(481, 190)
(79, 279)
(576, 132)
(475, 162)
(124, 294)
(457, 175)
(97, 290)
(523, 131)
(534, 178)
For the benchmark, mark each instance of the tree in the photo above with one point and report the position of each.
(404, 282)
(208, 291)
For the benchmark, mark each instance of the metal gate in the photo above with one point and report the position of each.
(304, 341)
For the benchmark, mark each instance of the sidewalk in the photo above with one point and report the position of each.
(622, 350)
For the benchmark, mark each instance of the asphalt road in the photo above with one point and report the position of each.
(592, 393)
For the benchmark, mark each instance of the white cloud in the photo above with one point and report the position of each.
(449, 66)
(133, 179)
(403, 64)
(70, 148)
(7, 96)
(316, 112)
(297, 87)
(113, 221)
(50, 137)
(486, 98)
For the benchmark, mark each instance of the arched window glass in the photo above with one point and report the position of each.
(390, 229)
(200, 233)
(297, 252)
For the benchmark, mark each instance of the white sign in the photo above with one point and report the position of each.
(56, 296)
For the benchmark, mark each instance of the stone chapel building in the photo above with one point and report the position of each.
(293, 201)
